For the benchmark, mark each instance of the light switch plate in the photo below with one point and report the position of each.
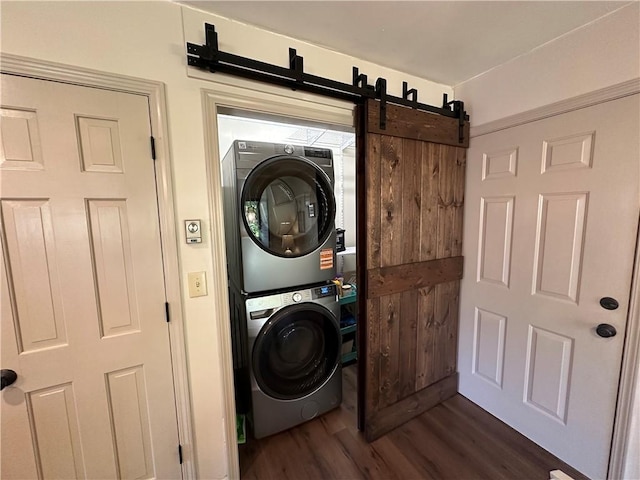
(197, 284)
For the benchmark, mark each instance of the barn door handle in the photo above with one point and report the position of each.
(8, 377)
(605, 330)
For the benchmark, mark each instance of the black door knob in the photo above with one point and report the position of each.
(605, 330)
(609, 303)
(7, 378)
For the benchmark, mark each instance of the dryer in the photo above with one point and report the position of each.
(279, 215)
(294, 347)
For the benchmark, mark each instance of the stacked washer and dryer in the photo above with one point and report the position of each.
(280, 237)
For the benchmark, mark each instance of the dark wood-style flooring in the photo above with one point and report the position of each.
(454, 440)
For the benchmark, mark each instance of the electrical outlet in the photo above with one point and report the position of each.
(197, 284)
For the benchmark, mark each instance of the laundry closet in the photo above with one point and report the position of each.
(290, 222)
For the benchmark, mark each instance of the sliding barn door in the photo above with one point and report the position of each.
(410, 194)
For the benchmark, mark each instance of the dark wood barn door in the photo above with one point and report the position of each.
(410, 201)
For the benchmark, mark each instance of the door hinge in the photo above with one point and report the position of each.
(180, 453)
(166, 311)
(153, 148)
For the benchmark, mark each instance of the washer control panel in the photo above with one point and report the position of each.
(264, 303)
(324, 291)
(273, 302)
(300, 296)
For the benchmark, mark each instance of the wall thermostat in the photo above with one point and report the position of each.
(193, 231)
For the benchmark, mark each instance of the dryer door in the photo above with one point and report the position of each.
(288, 208)
(296, 351)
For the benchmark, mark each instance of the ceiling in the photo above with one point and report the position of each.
(444, 41)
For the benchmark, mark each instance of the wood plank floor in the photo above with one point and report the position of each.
(455, 440)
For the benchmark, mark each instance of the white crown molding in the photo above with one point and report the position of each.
(24, 66)
(624, 89)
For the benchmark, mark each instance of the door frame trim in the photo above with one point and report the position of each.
(155, 92)
(631, 350)
(252, 98)
(620, 90)
(620, 445)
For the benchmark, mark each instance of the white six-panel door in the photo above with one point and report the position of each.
(550, 229)
(83, 321)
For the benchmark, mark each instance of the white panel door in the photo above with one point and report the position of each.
(550, 229)
(82, 286)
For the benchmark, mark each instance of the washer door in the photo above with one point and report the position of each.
(288, 208)
(296, 351)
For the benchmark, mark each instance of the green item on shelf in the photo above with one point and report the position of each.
(240, 429)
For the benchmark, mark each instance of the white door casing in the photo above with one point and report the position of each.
(554, 205)
(273, 101)
(83, 320)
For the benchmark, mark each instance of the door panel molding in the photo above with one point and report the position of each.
(155, 91)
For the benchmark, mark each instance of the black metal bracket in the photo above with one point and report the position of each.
(209, 57)
(381, 94)
(406, 92)
(360, 79)
(458, 109)
(296, 64)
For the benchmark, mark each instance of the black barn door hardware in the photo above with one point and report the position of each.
(460, 114)
(381, 94)
(209, 57)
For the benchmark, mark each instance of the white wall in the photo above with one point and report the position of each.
(603, 53)
(146, 40)
(350, 211)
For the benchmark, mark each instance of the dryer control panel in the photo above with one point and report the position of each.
(317, 152)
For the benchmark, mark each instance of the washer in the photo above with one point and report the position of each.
(294, 357)
(279, 215)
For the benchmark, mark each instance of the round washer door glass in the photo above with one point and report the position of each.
(296, 351)
(288, 206)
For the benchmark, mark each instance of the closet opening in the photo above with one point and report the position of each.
(289, 195)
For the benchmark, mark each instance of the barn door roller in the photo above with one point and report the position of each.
(209, 57)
